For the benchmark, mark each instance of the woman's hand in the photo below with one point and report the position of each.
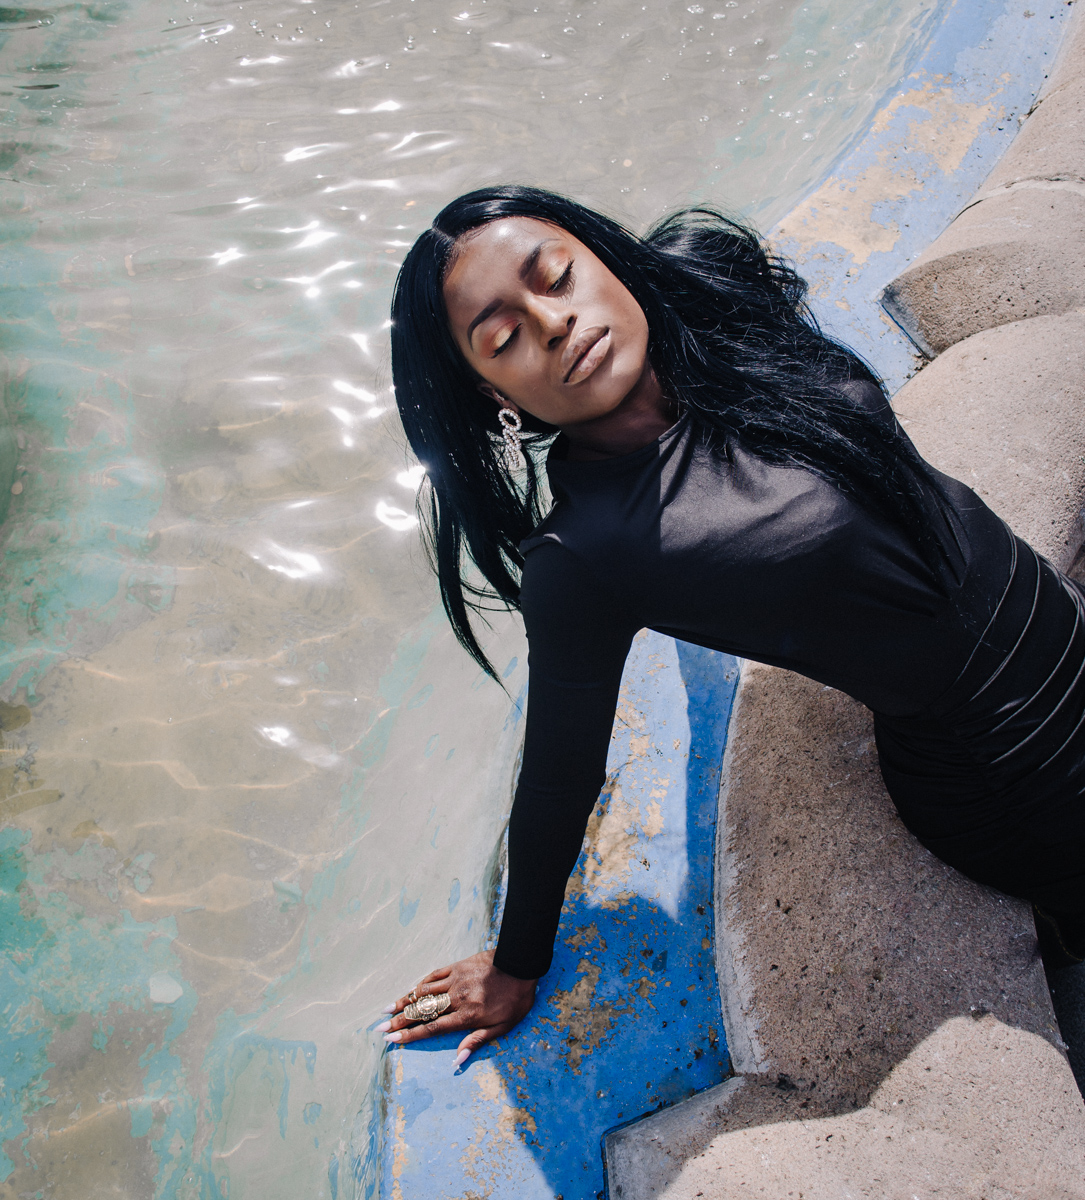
(484, 999)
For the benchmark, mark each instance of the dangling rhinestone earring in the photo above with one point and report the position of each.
(510, 431)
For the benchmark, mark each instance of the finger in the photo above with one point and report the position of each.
(434, 986)
(478, 1038)
(399, 1021)
(449, 1023)
(421, 989)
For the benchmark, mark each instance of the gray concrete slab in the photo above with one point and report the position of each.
(978, 1111)
(1019, 253)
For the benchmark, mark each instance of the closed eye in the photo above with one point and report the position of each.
(563, 282)
(506, 343)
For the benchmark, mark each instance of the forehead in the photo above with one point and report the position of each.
(490, 258)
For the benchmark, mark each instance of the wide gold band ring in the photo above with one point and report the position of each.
(428, 1008)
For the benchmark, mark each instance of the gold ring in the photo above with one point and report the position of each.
(412, 995)
(428, 1008)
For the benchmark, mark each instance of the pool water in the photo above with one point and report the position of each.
(251, 787)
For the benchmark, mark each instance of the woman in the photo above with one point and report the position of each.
(725, 473)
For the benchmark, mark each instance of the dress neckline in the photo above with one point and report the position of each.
(557, 463)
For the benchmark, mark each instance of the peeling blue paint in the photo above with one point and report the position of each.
(628, 1018)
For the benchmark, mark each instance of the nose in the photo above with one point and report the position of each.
(554, 319)
(567, 328)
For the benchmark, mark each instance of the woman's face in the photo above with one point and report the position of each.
(544, 323)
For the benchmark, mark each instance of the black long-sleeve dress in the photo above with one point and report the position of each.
(977, 688)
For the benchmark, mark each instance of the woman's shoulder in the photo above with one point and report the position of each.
(865, 393)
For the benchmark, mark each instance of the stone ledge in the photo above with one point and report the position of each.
(1003, 412)
(1018, 253)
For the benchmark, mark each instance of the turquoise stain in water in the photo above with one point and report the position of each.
(407, 909)
(60, 962)
(78, 541)
(235, 1049)
(324, 881)
(23, 1049)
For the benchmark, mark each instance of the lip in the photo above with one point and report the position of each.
(586, 353)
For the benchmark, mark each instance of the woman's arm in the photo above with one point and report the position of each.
(578, 639)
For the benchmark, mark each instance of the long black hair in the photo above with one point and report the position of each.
(731, 341)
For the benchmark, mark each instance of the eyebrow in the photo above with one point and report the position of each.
(526, 267)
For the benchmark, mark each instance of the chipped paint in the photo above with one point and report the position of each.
(919, 132)
(927, 150)
(627, 1019)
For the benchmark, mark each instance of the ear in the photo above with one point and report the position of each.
(491, 393)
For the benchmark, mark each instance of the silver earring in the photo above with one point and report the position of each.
(510, 431)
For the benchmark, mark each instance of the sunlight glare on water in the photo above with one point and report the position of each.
(245, 768)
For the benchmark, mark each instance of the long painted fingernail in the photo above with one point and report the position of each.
(389, 1008)
(384, 1026)
(461, 1058)
(393, 1037)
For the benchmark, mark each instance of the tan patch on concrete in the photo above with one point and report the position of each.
(582, 1022)
(494, 1090)
(947, 129)
(612, 834)
(399, 1154)
(841, 210)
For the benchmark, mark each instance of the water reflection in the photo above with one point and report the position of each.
(256, 767)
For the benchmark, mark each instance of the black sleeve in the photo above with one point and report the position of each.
(578, 640)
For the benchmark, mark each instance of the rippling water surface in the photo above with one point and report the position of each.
(250, 788)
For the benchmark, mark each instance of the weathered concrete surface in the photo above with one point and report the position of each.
(943, 1123)
(1051, 145)
(891, 1020)
(1004, 411)
(1018, 249)
(1017, 254)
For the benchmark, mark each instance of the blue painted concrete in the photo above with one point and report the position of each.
(628, 1018)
